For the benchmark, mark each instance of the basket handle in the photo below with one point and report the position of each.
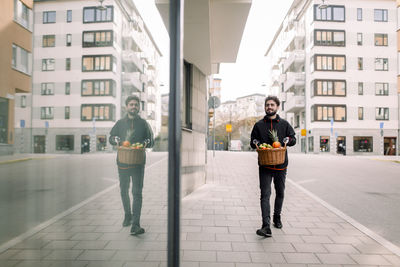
(146, 142)
(256, 142)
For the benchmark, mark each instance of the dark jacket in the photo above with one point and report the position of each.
(261, 129)
(140, 129)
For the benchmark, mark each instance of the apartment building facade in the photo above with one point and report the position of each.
(335, 69)
(15, 65)
(88, 57)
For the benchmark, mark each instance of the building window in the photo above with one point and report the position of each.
(97, 38)
(360, 113)
(360, 88)
(311, 144)
(97, 63)
(23, 101)
(381, 89)
(101, 112)
(360, 63)
(98, 88)
(94, 14)
(48, 64)
(330, 62)
(49, 17)
(328, 112)
(47, 89)
(46, 113)
(69, 15)
(382, 64)
(359, 14)
(23, 15)
(21, 59)
(142, 104)
(67, 64)
(64, 142)
(329, 87)
(362, 144)
(69, 39)
(381, 39)
(49, 41)
(329, 38)
(359, 38)
(66, 113)
(67, 88)
(382, 114)
(324, 145)
(187, 95)
(101, 142)
(381, 15)
(332, 13)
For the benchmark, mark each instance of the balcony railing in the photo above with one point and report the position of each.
(294, 103)
(131, 81)
(130, 57)
(296, 57)
(294, 80)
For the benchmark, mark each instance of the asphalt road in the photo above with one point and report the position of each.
(34, 191)
(365, 189)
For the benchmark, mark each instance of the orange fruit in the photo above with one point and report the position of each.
(126, 144)
(276, 144)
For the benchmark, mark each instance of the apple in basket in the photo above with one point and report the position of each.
(265, 146)
(137, 146)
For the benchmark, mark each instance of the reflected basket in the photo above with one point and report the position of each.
(131, 156)
(273, 156)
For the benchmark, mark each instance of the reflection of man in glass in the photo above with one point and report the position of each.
(134, 129)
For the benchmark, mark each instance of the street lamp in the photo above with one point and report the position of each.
(323, 5)
(101, 7)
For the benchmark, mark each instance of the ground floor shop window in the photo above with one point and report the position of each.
(311, 144)
(363, 143)
(324, 144)
(101, 142)
(64, 142)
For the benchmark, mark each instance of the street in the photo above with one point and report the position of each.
(32, 192)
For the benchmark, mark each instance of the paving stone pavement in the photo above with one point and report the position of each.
(218, 225)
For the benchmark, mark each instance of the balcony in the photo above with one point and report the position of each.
(144, 78)
(282, 78)
(130, 57)
(151, 116)
(294, 80)
(282, 96)
(131, 81)
(295, 58)
(151, 98)
(294, 103)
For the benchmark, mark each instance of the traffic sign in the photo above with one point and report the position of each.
(332, 122)
(303, 132)
(46, 124)
(22, 123)
(381, 125)
(229, 128)
(214, 102)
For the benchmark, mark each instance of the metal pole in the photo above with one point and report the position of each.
(214, 130)
(174, 129)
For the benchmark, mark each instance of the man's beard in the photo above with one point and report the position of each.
(133, 113)
(270, 113)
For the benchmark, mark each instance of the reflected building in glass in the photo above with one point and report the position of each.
(88, 57)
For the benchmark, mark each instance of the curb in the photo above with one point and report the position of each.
(14, 160)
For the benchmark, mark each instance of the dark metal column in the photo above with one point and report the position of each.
(174, 129)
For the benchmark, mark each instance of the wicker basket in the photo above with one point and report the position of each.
(131, 156)
(273, 156)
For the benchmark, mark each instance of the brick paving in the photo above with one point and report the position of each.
(218, 227)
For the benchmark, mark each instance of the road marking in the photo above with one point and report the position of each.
(43, 225)
(387, 244)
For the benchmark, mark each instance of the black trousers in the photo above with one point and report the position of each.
(125, 176)
(266, 177)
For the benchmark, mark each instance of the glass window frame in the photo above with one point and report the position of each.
(69, 16)
(71, 140)
(359, 14)
(46, 63)
(360, 63)
(48, 37)
(97, 61)
(363, 138)
(46, 17)
(96, 14)
(96, 43)
(383, 16)
(385, 116)
(68, 64)
(47, 88)
(23, 101)
(111, 109)
(68, 39)
(320, 32)
(330, 62)
(23, 15)
(327, 110)
(360, 113)
(383, 36)
(46, 113)
(315, 83)
(329, 13)
(385, 67)
(385, 90)
(112, 85)
(67, 88)
(359, 39)
(360, 88)
(67, 112)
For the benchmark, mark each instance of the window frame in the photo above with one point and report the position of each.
(69, 16)
(46, 115)
(314, 111)
(332, 56)
(112, 85)
(360, 118)
(26, 18)
(68, 64)
(45, 40)
(71, 139)
(68, 39)
(315, 87)
(359, 38)
(67, 88)
(112, 59)
(383, 64)
(360, 63)
(45, 17)
(23, 101)
(385, 114)
(46, 64)
(46, 89)
(359, 14)
(93, 106)
(187, 96)
(332, 32)
(359, 138)
(360, 85)
(385, 89)
(96, 44)
(385, 37)
(384, 11)
(95, 8)
(331, 9)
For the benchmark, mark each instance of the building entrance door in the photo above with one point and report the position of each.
(389, 146)
(39, 144)
(341, 145)
(85, 144)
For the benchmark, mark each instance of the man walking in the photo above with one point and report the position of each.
(134, 129)
(260, 134)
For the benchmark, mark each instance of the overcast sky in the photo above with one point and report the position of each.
(247, 75)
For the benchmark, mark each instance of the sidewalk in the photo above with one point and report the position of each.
(18, 157)
(218, 227)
